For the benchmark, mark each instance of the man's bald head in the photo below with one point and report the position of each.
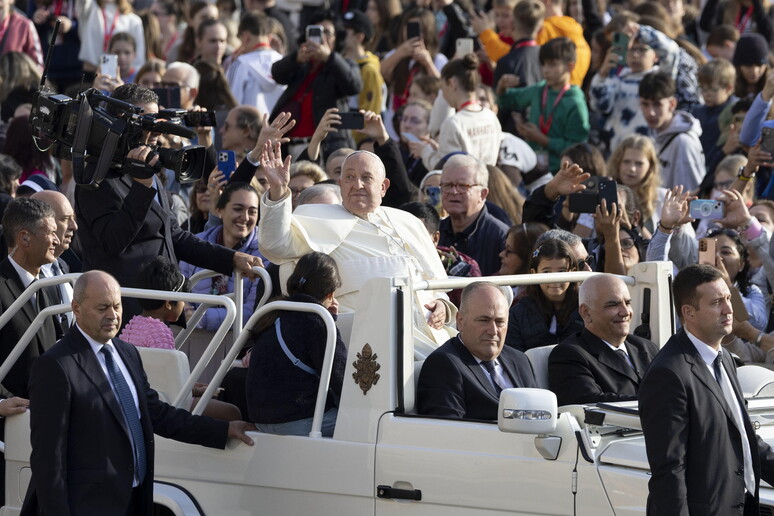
(97, 305)
(64, 217)
(605, 306)
(363, 183)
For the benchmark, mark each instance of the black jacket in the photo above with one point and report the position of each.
(527, 327)
(338, 79)
(583, 369)
(277, 390)
(693, 444)
(483, 240)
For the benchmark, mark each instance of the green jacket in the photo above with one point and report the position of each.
(570, 124)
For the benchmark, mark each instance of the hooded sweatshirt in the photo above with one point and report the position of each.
(251, 81)
(680, 152)
(564, 26)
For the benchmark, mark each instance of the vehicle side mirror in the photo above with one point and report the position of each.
(527, 411)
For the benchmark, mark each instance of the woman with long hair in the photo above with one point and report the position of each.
(519, 243)
(634, 163)
(185, 48)
(546, 313)
(383, 15)
(473, 129)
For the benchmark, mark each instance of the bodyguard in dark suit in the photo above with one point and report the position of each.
(464, 377)
(93, 416)
(704, 455)
(127, 221)
(602, 362)
(30, 227)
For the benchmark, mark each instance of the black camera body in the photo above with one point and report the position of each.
(98, 128)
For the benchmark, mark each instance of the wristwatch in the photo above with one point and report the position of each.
(743, 177)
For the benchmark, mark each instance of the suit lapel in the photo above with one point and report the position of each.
(701, 371)
(475, 368)
(91, 367)
(14, 284)
(511, 370)
(607, 356)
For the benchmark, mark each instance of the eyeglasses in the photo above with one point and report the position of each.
(590, 260)
(173, 85)
(627, 243)
(460, 187)
(640, 49)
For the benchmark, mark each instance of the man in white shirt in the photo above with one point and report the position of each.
(704, 455)
(366, 240)
(31, 232)
(64, 216)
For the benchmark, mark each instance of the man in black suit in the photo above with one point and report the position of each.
(464, 377)
(30, 228)
(64, 217)
(93, 416)
(704, 455)
(602, 362)
(127, 220)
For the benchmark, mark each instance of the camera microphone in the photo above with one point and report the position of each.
(172, 128)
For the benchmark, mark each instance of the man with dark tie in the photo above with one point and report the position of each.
(464, 377)
(31, 233)
(704, 455)
(602, 362)
(64, 216)
(93, 416)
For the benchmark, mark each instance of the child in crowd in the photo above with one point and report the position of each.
(150, 330)
(287, 355)
(721, 42)
(124, 46)
(751, 59)
(617, 95)
(495, 31)
(716, 83)
(523, 60)
(558, 114)
(676, 132)
(425, 87)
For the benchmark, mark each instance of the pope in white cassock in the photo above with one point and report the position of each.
(366, 240)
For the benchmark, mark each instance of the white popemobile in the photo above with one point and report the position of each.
(384, 459)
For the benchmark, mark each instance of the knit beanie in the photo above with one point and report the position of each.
(751, 49)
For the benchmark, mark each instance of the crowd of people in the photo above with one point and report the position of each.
(380, 138)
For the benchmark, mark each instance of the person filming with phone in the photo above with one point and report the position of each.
(318, 78)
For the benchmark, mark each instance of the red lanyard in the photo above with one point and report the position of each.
(526, 43)
(399, 100)
(58, 7)
(467, 103)
(108, 32)
(545, 125)
(169, 44)
(742, 22)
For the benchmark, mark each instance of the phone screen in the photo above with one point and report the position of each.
(620, 46)
(413, 30)
(314, 33)
(108, 65)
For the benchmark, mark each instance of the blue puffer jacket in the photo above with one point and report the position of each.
(214, 316)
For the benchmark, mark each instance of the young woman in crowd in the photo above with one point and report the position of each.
(413, 125)
(199, 208)
(635, 163)
(237, 207)
(149, 75)
(287, 355)
(519, 243)
(98, 21)
(546, 313)
(473, 129)
(384, 15)
(124, 47)
(185, 48)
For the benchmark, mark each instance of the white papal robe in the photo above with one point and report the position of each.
(388, 243)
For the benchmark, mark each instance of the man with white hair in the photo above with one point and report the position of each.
(185, 77)
(469, 228)
(366, 239)
(602, 362)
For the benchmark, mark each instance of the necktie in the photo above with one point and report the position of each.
(61, 297)
(489, 365)
(125, 399)
(738, 412)
(621, 353)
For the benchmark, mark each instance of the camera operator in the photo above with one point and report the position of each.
(127, 220)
